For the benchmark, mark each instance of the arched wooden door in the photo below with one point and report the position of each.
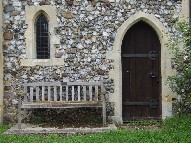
(141, 74)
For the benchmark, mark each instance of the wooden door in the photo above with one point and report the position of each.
(141, 78)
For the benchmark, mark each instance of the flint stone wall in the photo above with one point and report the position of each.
(87, 31)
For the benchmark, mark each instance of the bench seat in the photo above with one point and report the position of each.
(61, 104)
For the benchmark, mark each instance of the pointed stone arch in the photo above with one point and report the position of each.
(116, 73)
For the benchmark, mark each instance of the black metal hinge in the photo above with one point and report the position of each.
(152, 103)
(151, 55)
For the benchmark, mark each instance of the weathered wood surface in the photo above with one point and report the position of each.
(57, 92)
(62, 104)
(62, 95)
(61, 83)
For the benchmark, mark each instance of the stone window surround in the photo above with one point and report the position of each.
(31, 13)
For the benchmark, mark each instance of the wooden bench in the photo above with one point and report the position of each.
(61, 95)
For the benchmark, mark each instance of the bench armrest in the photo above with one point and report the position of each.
(21, 93)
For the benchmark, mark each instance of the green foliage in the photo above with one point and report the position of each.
(174, 130)
(180, 83)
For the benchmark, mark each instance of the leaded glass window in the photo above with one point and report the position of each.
(42, 38)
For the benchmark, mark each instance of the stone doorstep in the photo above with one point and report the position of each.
(33, 129)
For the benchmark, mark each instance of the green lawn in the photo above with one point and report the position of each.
(174, 130)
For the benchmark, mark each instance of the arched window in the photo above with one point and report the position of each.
(42, 38)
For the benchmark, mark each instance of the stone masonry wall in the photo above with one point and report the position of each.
(87, 31)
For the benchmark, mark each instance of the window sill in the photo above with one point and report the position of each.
(42, 62)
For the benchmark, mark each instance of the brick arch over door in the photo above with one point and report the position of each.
(165, 64)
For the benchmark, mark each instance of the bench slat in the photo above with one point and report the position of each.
(84, 83)
(55, 93)
(37, 93)
(61, 83)
(66, 93)
(90, 92)
(84, 92)
(96, 93)
(31, 94)
(62, 105)
(60, 93)
(43, 93)
(72, 93)
(49, 96)
(78, 93)
(42, 84)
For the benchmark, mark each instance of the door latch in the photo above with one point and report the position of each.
(153, 74)
(153, 103)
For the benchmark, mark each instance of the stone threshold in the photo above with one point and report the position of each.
(35, 129)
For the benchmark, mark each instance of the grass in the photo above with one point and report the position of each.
(145, 123)
(174, 130)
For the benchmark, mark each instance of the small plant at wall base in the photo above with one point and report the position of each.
(180, 83)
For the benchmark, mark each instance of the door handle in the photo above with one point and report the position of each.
(153, 74)
(127, 71)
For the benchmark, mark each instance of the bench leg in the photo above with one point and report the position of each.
(104, 113)
(25, 116)
(19, 113)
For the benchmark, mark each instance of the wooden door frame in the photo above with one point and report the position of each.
(116, 74)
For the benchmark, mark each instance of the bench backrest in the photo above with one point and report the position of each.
(63, 91)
